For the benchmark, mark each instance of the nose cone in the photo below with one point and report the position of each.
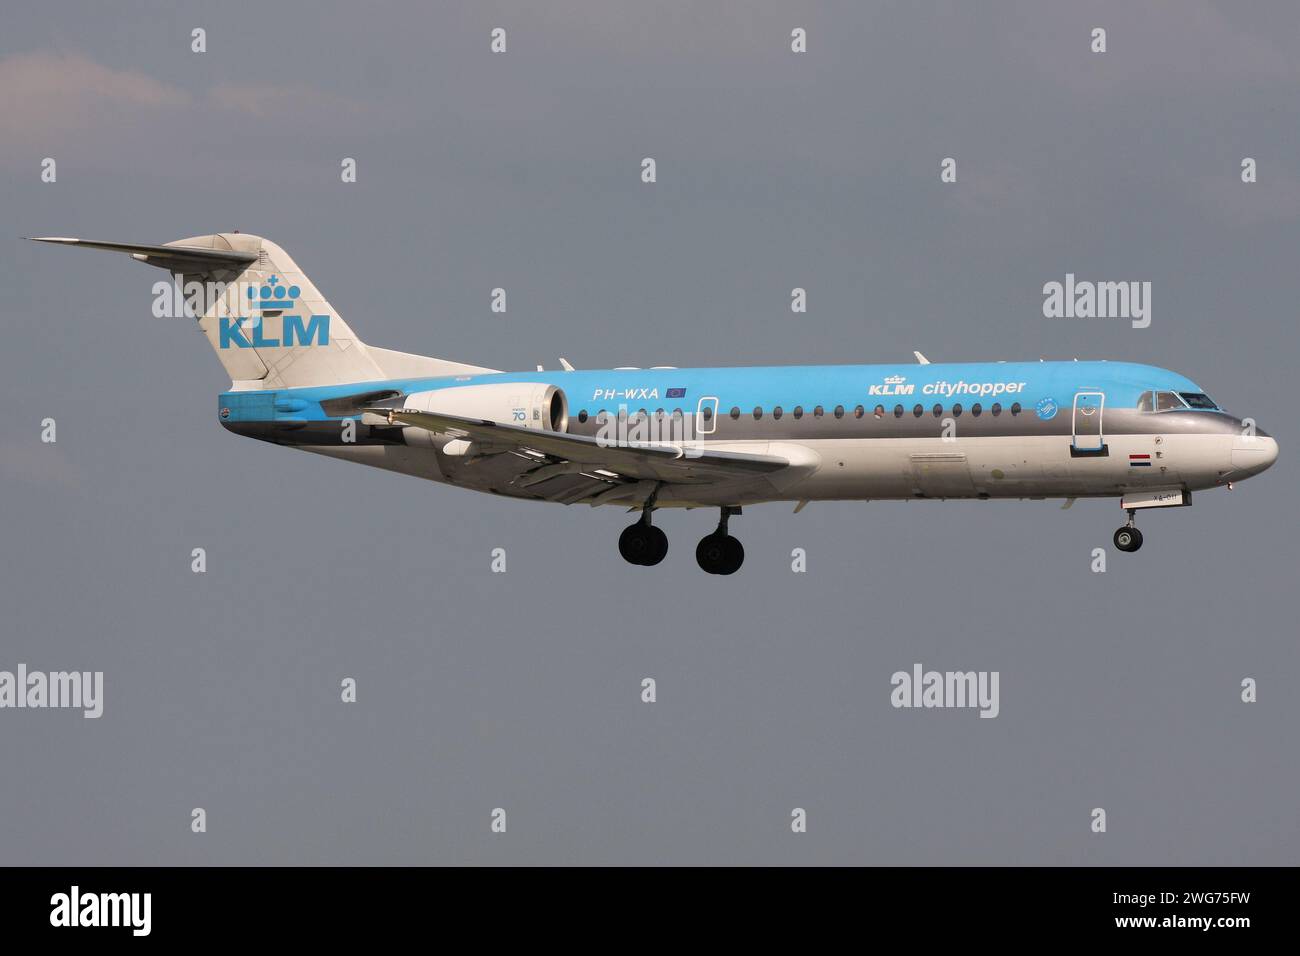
(1250, 456)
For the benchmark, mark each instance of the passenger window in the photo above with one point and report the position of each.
(918, 411)
(996, 409)
(758, 413)
(898, 411)
(707, 413)
(1145, 402)
(975, 410)
(777, 412)
(937, 410)
(582, 416)
(839, 411)
(860, 411)
(956, 411)
(735, 413)
(1167, 401)
(818, 412)
(880, 411)
(798, 412)
(1015, 408)
(677, 414)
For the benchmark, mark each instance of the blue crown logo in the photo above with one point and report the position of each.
(274, 296)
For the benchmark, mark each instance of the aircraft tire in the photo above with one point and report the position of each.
(710, 553)
(658, 547)
(1128, 539)
(719, 554)
(735, 555)
(635, 544)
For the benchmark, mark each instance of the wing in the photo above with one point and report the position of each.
(611, 472)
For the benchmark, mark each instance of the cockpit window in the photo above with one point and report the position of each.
(1146, 402)
(1168, 401)
(1199, 400)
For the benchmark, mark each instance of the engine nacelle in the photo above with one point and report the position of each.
(523, 404)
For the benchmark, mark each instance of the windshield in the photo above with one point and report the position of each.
(1199, 400)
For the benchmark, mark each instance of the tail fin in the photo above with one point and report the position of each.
(268, 324)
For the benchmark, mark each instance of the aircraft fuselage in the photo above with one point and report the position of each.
(980, 430)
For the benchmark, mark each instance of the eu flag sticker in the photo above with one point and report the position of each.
(676, 393)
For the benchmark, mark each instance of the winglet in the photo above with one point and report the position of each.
(565, 363)
(921, 358)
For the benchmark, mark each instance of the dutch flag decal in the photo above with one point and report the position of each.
(1139, 461)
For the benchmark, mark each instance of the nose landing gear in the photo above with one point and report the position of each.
(719, 552)
(1129, 538)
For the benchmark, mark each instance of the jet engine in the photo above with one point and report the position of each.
(523, 404)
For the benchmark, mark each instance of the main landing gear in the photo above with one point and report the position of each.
(1129, 538)
(720, 553)
(642, 543)
(717, 553)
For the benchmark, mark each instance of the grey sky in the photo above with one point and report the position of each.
(521, 690)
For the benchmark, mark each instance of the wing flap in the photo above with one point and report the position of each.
(637, 461)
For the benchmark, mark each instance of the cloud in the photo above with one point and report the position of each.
(50, 97)
(38, 465)
(1164, 45)
(59, 101)
(303, 103)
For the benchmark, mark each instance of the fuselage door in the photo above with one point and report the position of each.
(1088, 436)
(706, 415)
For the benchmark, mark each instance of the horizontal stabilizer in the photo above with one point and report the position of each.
(183, 259)
(290, 337)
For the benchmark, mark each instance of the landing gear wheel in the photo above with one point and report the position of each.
(735, 555)
(643, 544)
(1128, 538)
(658, 547)
(710, 553)
(634, 543)
(719, 554)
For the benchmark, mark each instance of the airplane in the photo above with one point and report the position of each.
(665, 437)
